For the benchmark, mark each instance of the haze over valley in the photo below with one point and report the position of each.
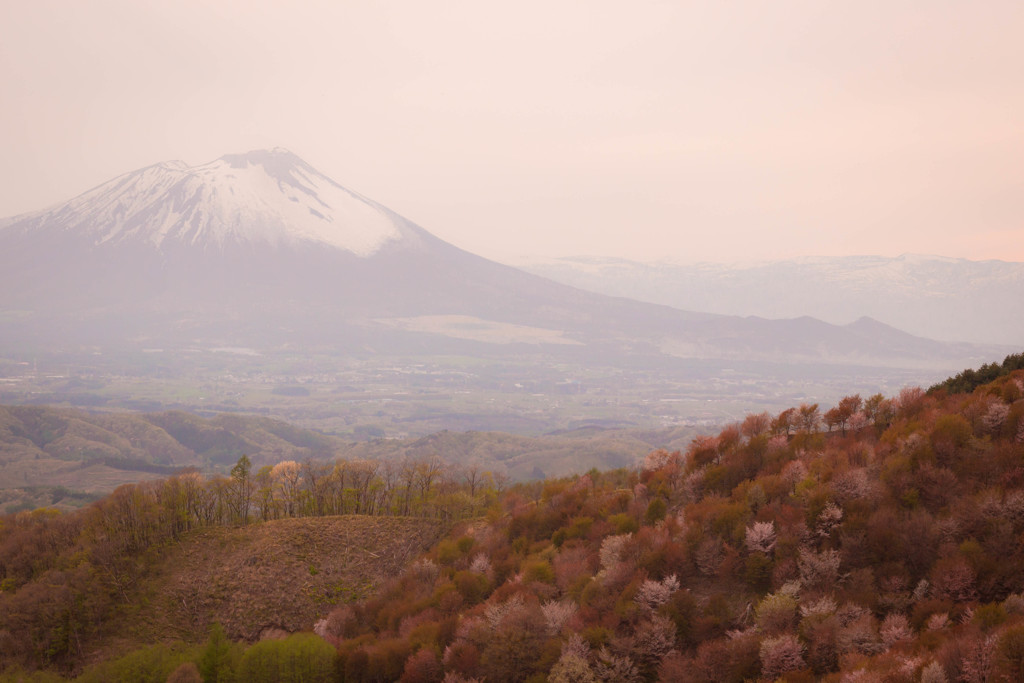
(257, 284)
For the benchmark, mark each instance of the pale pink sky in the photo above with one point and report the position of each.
(715, 131)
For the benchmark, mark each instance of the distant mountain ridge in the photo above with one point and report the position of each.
(261, 250)
(930, 296)
(48, 446)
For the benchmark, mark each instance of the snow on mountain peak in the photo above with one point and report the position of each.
(263, 196)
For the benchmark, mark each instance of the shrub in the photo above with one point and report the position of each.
(188, 672)
(153, 664)
(655, 511)
(422, 667)
(448, 551)
(538, 570)
(1010, 654)
(219, 656)
(950, 434)
(990, 615)
(472, 587)
(757, 571)
(624, 523)
(776, 612)
(302, 657)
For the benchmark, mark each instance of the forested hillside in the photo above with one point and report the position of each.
(167, 559)
(970, 379)
(876, 540)
(879, 540)
(45, 446)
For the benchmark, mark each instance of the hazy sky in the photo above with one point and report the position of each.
(690, 131)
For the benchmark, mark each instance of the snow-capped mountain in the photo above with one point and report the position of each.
(262, 250)
(931, 296)
(265, 197)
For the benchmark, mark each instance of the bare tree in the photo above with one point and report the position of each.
(472, 474)
(241, 489)
(315, 474)
(287, 476)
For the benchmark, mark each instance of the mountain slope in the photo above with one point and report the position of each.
(885, 549)
(930, 296)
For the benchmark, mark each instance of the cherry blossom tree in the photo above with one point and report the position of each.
(760, 537)
(653, 594)
(828, 519)
(557, 615)
(895, 627)
(781, 654)
(654, 640)
(818, 570)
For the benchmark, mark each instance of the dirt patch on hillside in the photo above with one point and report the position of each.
(280, 576)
